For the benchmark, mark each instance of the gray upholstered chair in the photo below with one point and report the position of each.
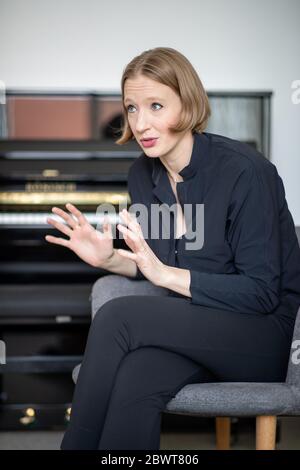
(222, 400)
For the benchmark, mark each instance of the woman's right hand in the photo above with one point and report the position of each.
(91, 245)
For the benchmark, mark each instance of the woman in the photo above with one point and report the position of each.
(232, 302)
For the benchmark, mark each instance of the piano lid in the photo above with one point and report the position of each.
(65, 166)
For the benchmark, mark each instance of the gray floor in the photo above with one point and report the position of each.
(50, 440)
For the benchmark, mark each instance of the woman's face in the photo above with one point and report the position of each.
(151, 108)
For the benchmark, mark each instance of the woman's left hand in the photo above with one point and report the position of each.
(148, 263)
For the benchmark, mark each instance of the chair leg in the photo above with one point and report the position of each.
(266, 432)
(223, 433)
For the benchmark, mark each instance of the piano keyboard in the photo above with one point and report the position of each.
(39, 219)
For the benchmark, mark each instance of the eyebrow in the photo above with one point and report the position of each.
(147, 99)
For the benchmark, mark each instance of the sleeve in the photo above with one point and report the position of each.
(133, 200)
(254, 237)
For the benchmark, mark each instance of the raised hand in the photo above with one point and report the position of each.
(146, 260)
(91, 245)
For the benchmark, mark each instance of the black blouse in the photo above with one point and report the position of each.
(250, 258)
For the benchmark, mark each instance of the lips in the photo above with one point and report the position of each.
(149, 138)
(149, 142)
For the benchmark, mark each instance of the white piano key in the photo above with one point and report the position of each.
(40, 218)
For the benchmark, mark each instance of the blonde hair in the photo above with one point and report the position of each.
(169, 67)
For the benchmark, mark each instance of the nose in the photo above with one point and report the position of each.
(141, 123)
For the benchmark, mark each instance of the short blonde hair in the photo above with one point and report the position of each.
(169, 67)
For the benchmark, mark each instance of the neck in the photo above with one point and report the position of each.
(180, 157)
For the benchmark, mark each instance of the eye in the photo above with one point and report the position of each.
(153, 104)
(157, 104)
(130, 106)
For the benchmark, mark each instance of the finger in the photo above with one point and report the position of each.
(136, 244)
(131, 222)
(136, 228)
(57, 241)
(61, 227)
(67, 217)
(106, 226)
(128, 233)
(127, 216)
(130, 240)
(127, 254)
(80, 217)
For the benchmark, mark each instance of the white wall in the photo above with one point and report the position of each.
(233, 44)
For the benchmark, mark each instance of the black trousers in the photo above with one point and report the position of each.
(142, 350)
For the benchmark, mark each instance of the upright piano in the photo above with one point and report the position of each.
(45, 310)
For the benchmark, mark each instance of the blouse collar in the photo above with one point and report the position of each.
(199, 152)
(200, 155)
